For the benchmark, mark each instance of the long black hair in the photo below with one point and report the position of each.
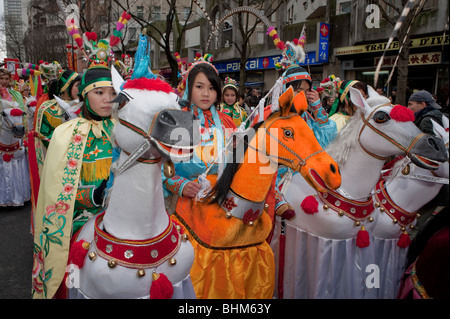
(220, 190)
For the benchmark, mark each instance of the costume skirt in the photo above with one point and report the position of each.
(15, 187)
(321, 268)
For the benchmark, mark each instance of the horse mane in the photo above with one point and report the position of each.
(346, 138)
(220, 190)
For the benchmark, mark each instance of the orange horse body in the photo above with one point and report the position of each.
(232, 256)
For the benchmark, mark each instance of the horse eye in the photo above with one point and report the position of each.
(381, 117)
(288, 133)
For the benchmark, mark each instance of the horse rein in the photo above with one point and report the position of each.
(300, 160)
(385, 136)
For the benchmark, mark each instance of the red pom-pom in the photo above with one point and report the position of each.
(404, 240)
(310, 205)
(16, 112)
(7, 157)
(148, 85)
(113, 40)
(402, 114)
(41, 61)
(362, 239)
(78, 252)
(319, 89)
(295, 41)
(281, 45)
(32, 103)
(79, 42)
(161, 287)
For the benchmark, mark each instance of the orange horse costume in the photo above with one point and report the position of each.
(229, 228)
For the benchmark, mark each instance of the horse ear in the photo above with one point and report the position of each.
(371, 91)
(117, 80)
(300, 102)
(439, 130)
(358, 100)
(285, 101)
(62, 103)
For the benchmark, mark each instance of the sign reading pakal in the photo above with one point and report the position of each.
(380, 47)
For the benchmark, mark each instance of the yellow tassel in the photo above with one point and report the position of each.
(272, 33)
(98, 170)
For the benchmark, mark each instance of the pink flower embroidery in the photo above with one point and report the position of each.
(67, 189)
(72, 163)
(77, 138)
(60, 207)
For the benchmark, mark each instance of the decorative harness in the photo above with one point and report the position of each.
(300, 161)
(385, 136)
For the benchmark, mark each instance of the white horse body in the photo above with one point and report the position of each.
(136, 212)
(15, 187)
(409, 194)
(324, 260)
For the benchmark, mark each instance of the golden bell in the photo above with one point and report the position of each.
(357, 223)
(141, 273)
(381, 209)
(325, 206)
(184, 237)
(112, 263)
(406, 170)
(169, 169)
(228, 215)
(377, 204)
(370, 219)
(395, 221)
(172, 261)
(92, 255)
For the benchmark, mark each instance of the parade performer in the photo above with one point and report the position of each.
(7, 93)
(203, 91)
(51, 114)
(343, 108)
(74, 177)
(230, 104)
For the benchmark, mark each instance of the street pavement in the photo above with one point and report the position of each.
(16, 252)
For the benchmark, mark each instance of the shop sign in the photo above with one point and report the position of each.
(380, 47)
(261, 63)
(414, 59)
(324, 36)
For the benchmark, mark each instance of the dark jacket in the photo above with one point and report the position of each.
(424, 117)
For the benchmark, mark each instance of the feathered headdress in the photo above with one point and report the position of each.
(330, 85)
(50, 70)
(207, 58)
(229, 82)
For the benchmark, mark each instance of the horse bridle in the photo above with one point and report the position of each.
(299, 159)
(385, 136)
(9, 125)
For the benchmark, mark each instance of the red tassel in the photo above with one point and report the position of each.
(7, 157)
(362, 240)
(78, 252)
(310, 205)
(404, 240)
(113, 40)
(161, 287)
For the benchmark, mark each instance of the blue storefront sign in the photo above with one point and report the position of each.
(324, 37)
(261, 63)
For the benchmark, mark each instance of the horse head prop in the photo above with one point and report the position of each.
(12, 119)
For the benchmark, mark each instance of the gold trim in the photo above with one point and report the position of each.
(96, 85)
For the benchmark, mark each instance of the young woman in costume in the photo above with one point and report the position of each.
(50, 114)
(230, 102)
(343, 108)
(73, 180)
(203, 91)
(7, 93)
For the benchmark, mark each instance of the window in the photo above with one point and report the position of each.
(186, 12)
(156, 13)
(140, 12)
(345, 7)
(132, 34)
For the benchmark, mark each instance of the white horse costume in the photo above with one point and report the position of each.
(15, 187)
(134, 245)
(407, 189)
(324, 256)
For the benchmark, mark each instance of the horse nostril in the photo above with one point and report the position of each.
(433, 144)
(333, 168)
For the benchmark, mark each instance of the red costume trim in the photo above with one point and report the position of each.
(10, 148)
(137, 254)
(403, 217)
(355, 210)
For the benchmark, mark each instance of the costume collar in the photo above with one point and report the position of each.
(241, 208)
(385, 204)
(137, 254)
(356, 210)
